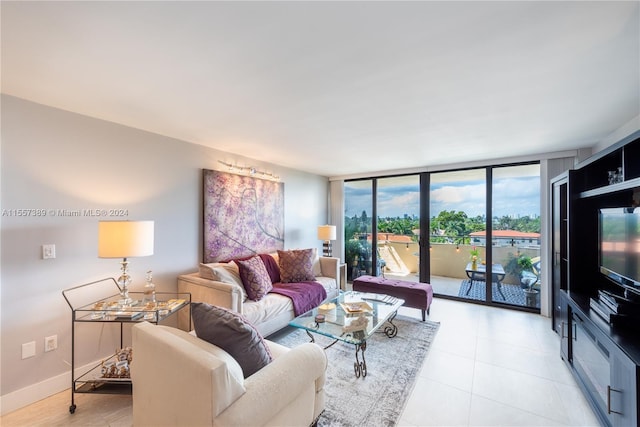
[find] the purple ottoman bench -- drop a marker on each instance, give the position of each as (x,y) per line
(415,295)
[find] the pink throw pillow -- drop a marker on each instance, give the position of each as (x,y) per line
(296,265)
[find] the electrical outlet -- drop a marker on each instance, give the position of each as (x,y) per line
(50,343)
(48,251)
(28,349)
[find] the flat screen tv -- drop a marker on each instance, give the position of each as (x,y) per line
(620,246)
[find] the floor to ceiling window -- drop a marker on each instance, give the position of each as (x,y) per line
(464,255)
(358,226)
(398,218)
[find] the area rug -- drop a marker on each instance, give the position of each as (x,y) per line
(393,365)
(513,294)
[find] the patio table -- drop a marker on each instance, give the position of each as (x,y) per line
(480,273)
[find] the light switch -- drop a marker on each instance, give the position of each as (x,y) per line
(48,251)
(28,349)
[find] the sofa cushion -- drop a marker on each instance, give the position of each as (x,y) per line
(232,333)
(227,272)
(329,285)
(317,270)
(296,265)
(255,278)
(233,367)
(271,313)
(171,362)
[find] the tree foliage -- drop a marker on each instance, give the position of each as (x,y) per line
(446,227)
(402,226)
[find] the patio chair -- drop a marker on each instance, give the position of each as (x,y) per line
(534,274)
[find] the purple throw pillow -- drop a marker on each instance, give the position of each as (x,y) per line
(232,333)
(255,277)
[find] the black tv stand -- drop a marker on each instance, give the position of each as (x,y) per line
(632,295)
(598,321)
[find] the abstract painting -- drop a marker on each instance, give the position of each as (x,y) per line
(243,216)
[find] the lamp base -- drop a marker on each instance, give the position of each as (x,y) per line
(326,248)
(123,281)
(125,302)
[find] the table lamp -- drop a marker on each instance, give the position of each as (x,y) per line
(327,233)
(124,239)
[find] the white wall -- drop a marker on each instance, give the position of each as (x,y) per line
(52,160)
(623,131)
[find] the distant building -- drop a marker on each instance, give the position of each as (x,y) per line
(506,238)
(388,237)
(500,238)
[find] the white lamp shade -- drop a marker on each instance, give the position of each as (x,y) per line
(123,239)
(327,232)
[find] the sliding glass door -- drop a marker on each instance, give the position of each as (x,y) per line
(457,208)
(516,235)
(475,232)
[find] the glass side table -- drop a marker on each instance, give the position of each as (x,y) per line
(97,302)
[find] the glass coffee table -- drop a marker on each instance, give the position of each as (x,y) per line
(352,317)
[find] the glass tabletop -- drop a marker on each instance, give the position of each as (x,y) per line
(109,309)
(340,318)
(481,268)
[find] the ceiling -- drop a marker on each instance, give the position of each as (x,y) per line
(337,88)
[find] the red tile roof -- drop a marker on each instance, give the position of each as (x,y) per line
(507,234)
(390,237)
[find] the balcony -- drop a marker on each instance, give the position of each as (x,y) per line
(400,259)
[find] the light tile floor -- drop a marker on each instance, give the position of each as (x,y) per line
(486,367)
(489,367)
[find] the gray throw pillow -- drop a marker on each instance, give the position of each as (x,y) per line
(232,333)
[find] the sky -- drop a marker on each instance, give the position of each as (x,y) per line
(514,194)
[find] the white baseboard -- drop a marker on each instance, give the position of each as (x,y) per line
(31,394)
(35,392)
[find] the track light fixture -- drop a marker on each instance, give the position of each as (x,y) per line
(249,170)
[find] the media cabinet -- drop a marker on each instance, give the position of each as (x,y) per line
(603,357)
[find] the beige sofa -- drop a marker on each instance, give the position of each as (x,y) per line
(181,380)
(268,315)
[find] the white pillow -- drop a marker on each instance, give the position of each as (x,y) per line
(315,259)
(226,272)
(206,270)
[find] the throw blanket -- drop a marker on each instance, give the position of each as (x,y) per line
(304,295)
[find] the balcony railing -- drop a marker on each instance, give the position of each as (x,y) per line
(447,259)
